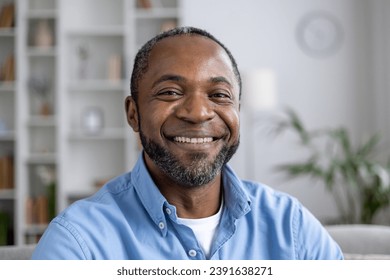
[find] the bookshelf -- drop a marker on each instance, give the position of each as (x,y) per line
(94,137)
(62,120)
(8,146)
(37,116)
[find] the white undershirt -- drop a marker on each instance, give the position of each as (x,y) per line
(204,229)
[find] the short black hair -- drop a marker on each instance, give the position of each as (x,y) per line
(141,61)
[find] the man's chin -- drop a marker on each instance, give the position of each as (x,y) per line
(195,157)
(192,169)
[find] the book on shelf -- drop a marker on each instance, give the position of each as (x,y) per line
(114,68)
(37,210)
(7,16)
(144,4)
(29,206)
(42,210)
(43,34)
(6,172)
(7,69)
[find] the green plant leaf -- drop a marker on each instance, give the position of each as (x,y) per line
(341,136)
(333,160)
(298,126)
(367,148)
(305,168)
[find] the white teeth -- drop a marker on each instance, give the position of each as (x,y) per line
(193,140)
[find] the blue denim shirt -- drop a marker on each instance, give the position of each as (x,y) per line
(130,219)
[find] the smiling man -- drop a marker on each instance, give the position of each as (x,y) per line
(182,200)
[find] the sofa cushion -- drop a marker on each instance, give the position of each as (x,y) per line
(356,239)
(16,252)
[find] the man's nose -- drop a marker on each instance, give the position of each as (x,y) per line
(196,108)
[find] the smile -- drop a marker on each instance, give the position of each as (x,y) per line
(188,140)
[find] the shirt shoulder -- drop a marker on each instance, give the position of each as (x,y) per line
(79,231)
(111,191)
(109,198)
(266,196)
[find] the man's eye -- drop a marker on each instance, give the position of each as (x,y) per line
(220,95)
(168,92)
(169,95)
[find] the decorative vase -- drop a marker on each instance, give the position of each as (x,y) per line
(43,35)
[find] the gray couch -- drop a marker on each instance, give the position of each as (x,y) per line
(16,252)
(362,241)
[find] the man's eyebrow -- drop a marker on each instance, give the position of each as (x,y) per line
(220,79)
(178,78)
(169,77)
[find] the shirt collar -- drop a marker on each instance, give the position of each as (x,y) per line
(149,194)
(235,196)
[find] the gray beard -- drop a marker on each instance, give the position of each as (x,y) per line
(198,173)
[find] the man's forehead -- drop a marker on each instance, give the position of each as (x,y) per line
(195,42)
(190,49)
(184,52)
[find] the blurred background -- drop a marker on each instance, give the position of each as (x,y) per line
(314,117)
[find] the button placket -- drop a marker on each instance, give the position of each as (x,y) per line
(161,225)
(192,249)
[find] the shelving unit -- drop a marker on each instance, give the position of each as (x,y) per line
(8,127)
(63,120)
(37,116)
(94,137)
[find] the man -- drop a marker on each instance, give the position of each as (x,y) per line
(182,200)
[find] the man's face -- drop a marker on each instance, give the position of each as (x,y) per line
(188,110)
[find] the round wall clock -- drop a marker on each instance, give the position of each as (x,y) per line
(319,34)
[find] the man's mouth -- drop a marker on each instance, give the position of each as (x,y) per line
(188,140)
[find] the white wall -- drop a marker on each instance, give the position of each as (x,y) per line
(329,91)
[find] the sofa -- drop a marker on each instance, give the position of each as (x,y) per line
(362,242)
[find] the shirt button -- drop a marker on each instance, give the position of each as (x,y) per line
(161,225)
(192,253)
(168,211)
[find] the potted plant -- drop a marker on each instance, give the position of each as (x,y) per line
(359,182)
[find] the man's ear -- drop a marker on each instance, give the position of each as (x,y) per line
(132,113)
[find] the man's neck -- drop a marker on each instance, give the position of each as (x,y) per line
(195,202)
